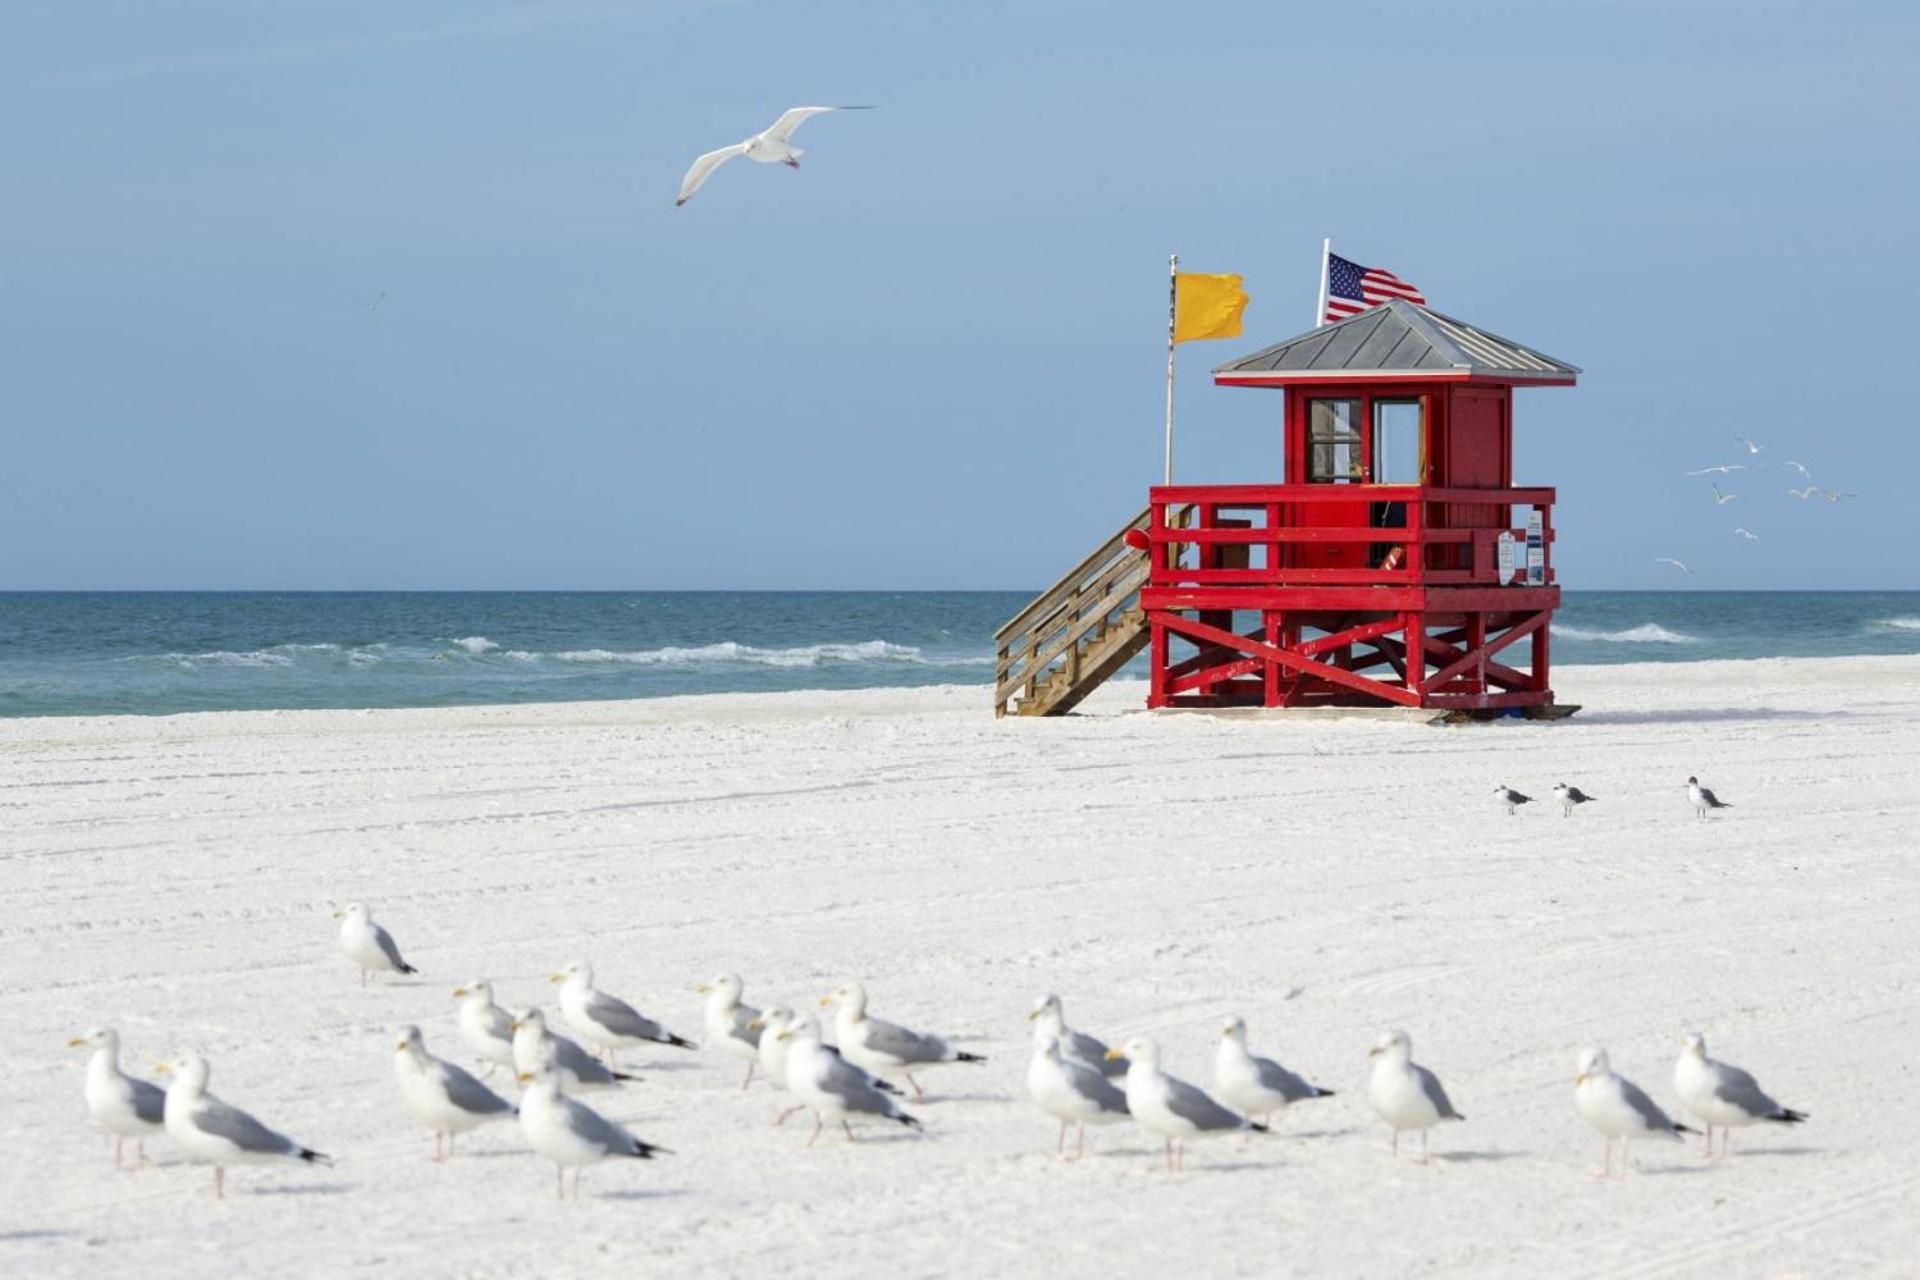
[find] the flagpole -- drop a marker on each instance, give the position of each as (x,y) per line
(1173,301)
(1320,306)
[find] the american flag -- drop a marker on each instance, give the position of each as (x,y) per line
(1352,288)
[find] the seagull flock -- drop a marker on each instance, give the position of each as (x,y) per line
(1808,490)
(1570,798)
(1072,1076)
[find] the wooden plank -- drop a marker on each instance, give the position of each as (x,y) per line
(1215,675)
(1112,546)
(1260,649)
(1491,647)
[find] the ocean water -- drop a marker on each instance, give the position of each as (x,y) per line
(86,653)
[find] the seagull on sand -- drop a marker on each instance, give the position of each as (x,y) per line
(1049,1019)
(1071,1092)
(732,1027)
(883,1048)
(1173,1109)
(1722,499)
(772,1052)
(1678,564)
(1723,1095)
(1570,798)
(534,1046)
(1617,1108)
(831,1086)
(1752,448)
(1729,469)
(122,1105)
(368,945)
(772,145)
(610,1023)
(213,1132)
(484,1025)
(444,1097)
(1748,535)
(1702,799)
(1507,796)
(1258,1086)
(570,1133)
(1403,1093)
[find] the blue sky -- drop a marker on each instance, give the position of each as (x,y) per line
(933,356)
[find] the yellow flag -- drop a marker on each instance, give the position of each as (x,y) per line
(1207,306)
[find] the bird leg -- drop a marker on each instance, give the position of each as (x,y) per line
(578,1170)
(1423,1146)
(749,1079)
(1169,1155)
(117,1140)
(363,978)
(849,1129)
(559,1181)
(917,1095)
(1396,1144)
(1606,1157)
(438,1158)
(782,1117)
(1080,1148)
(219,1182)
(819,1123)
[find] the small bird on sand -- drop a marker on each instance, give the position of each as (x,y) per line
(1569,798)
(831,1086)
(442,1096)
(611,1023)
(772,145)
(1172,1109)
(484,1025)
(1403,1093)
(1719,1094)
(1616,1107)
(367,944)
(123,1105)
(570,1133)
(1702,799)
(1049,1018)
(732,1027)
(1507,796)
(882,1047)
(213,1132)
(534,1047)
(1258,1086)
(1071,1092)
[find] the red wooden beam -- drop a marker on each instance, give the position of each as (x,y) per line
(1490,648)
(1260,649)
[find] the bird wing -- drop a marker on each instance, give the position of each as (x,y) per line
(1430,1085)
(621,1018)
(1096,1088)
(468,1094)
(1735,1087)
(742,1015)
(1282,1081)
(498,1025)
(569,1056)
(595,1129)
(384,941)
(1089,1049)
(1646,1108)
(906,1046)
(242,1130)
(705,165)
(793,117)
(853,1087)
(149,1101)
(1199,1110)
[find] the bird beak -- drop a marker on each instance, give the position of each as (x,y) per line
(1580,1079)
(1374,1052)
(523,1077)
(703,989)
(757,1024)
(782,1036)
(74,1042)
(557,977)
(399,1044)
(459,993)
(825,1001)
(339,915)
(1032,1015)
(161,1068)
(513,1025)
(1114,1055)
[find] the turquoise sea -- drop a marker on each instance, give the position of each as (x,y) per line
(92,653)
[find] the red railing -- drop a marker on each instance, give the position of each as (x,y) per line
(1446,537)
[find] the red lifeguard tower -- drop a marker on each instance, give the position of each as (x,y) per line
(1378,574)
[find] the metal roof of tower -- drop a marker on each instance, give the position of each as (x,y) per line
(1396,340)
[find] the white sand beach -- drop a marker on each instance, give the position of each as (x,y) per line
(1326,878)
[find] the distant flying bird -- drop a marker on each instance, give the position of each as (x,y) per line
(1804,473)
(1680,565)
(1834,495)
(1729,469)
(1750,537)
(373,305)
(1722,499)
(1751,446)
(1804,494)
(772,145)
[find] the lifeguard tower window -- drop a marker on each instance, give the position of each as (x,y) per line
(1396,442)
(1335,451)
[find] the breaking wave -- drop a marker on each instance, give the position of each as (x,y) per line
(729,651)
(1645,633)
(476,644)
(1898,624)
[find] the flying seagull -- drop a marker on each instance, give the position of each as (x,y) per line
(1834,495)
(1804,494)
(1804,473)
(1751,446)
(1722,499)
(1729,469)
(771,145)
(1747,534)
(1678,564)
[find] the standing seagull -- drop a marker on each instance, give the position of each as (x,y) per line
(1173,1109)
(772,145)
(610,1023)
(1569,798)
(122,1105)
(571,1133)
(1403,1093)
(484,1025)
(1071,1092)
(444,1097)
(1049,1019)
(1703,799)
(535,1047)
(1507,796)
(1258,1086)
(368,945)
(732,1027)
(832,1086)
(1617,1108)
(211,1131)
(1719,1094)
(883,1048)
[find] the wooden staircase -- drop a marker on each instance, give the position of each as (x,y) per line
(1074,634)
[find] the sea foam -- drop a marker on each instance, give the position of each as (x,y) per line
(1645,633)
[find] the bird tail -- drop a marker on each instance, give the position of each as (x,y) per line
(1318,1092)
(884,1087)
(407,968)
(967,1057)
(647,1151)
(905,1119)
(679,1042)
(1786,1115)
(1679,1129)
(626,1076)
(314,1157)
(1259,1126)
